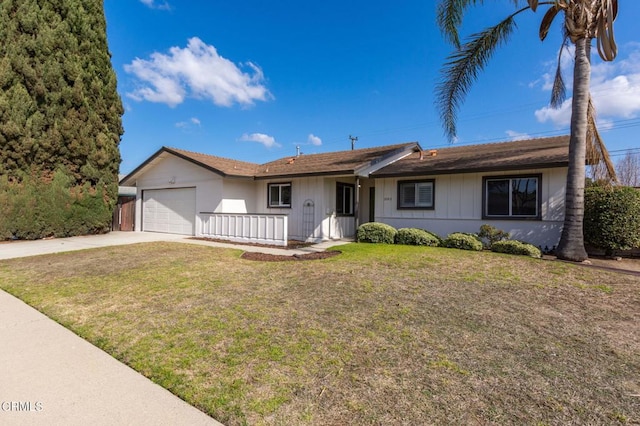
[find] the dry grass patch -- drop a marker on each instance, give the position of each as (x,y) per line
(379,334)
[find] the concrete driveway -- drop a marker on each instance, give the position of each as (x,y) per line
(13,249)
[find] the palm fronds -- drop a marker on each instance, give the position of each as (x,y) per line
(449,18)
(559,90)
(604,18)
(597,154)
(462,68)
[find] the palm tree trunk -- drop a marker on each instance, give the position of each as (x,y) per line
(571,246)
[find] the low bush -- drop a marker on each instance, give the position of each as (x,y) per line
(516,247)
(376,232)
(463,241)
(612,218)
(416,237)
(490,234)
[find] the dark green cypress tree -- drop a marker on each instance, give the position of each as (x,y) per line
(60,112)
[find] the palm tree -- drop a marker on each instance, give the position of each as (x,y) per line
(584,20)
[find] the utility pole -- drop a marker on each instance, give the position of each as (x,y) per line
(353,141)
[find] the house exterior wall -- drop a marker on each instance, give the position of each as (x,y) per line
(458,206)
(237,196)
(172,172)
(312,215)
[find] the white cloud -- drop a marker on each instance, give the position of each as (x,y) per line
(193,121)
(197,71)
(615,88)
(517,136)
(162,5)
(314,140)
(266,140)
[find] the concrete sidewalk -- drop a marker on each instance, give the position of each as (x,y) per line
(50,376)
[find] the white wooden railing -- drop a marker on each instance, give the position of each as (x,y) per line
(252,228)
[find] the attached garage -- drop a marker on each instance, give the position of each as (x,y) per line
(172,211)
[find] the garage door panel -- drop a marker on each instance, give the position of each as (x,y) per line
(169,210)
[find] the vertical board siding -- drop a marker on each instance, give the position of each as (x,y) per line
(458,206)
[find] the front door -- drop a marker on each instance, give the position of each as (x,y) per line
(372,204)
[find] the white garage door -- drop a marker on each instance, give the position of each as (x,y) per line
(169,210)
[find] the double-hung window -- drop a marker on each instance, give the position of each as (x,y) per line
(416,194)
(344,199)
(516,197)
(279,195)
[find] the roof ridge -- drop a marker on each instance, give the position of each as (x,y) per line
(501,142)
(372,148)
(211,155)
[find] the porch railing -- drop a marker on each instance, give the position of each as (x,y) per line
(253,228)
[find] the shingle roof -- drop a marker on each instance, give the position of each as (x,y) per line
(223,166)
(330,163)
(530,154)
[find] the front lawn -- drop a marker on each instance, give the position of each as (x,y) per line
(377,335)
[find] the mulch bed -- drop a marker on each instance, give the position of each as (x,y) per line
(263,257)
(291,244)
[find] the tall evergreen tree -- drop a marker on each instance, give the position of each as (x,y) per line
(60,111)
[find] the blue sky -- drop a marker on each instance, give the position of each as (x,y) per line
(253,79)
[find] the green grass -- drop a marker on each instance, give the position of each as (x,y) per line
(378,335)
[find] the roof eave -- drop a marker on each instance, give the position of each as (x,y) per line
(303,175)
(427,172)
(130,179)
(125,180)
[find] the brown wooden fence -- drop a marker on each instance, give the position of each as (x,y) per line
(124,214)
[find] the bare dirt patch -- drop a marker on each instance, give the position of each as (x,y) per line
(624,264)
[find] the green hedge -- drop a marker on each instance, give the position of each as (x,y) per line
(417,237)
(463,241)
(516,247)
(376,232)
(38,207)
(612,218)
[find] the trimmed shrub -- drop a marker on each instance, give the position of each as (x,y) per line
(51,206)
(376,232)
(463,241)
(416,237)
(612,218)
(516,247)
(490,234)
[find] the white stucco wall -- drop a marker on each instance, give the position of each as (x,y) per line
(458,206)
(172,172)
(237,196)
(213,193)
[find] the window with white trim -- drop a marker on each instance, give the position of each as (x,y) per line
(516,197)
(279,195)
(416,194)
(344,199)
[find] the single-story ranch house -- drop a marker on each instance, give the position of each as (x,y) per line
(516,186)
